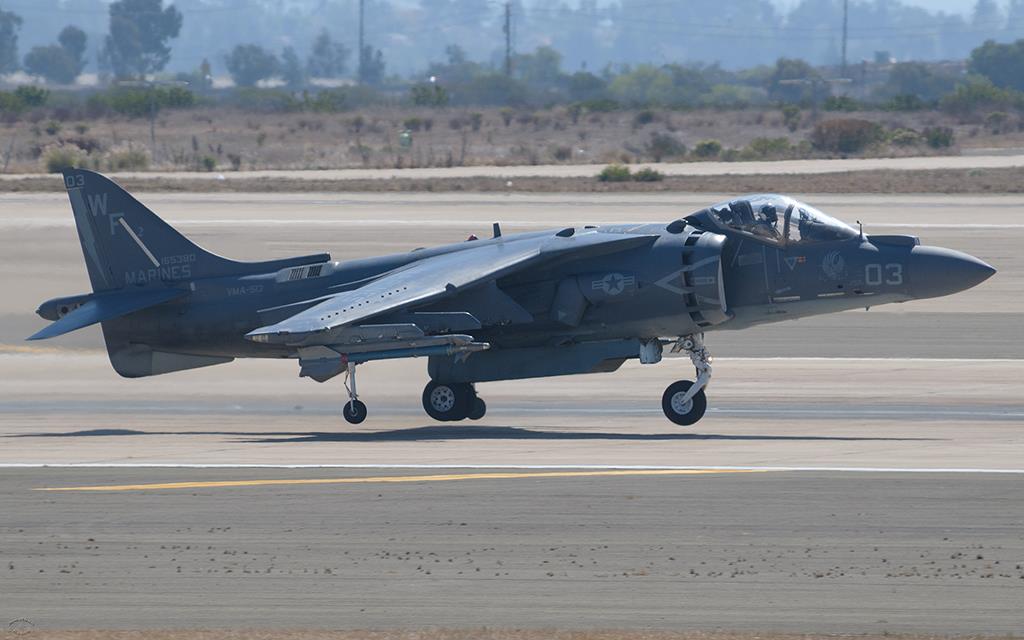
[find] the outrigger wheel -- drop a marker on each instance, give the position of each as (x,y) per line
(354,411)
(448,402)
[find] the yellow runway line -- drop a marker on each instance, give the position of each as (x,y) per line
(394,479)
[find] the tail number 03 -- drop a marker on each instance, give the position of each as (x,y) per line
(876,274)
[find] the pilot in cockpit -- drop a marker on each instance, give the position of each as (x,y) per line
(768,222)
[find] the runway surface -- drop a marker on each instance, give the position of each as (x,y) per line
(934,385)
(860,553)
(772,167)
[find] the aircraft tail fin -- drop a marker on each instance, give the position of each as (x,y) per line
(127,244)
(123,241)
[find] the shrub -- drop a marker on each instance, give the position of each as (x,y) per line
(128,159)
(329,100)
(615,173)
(600,105)
(841,103)
(768,147)
(562,153)
(905,138)
(708,149)
(428,94)
(905,102)
(10,105)
(137,102)
(845,135)
(59,158)
(648,174)
(642,118)
(976,95)
(85,143)
(998,122)
(413,124)
(208,163)
(938,137)
(791,116)
(663,145)
(31,96)
(53,127)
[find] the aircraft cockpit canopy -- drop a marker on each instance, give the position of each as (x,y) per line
(780,220)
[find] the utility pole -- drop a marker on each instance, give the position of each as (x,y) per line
(846,7)
(508,38)
(362,52)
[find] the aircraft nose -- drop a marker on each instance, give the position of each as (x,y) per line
(936,271)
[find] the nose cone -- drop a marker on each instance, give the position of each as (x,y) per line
(938,272)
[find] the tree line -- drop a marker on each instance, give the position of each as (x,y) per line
(138,45)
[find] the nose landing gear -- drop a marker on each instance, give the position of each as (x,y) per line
(684,402)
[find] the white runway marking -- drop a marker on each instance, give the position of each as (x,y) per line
(567,467)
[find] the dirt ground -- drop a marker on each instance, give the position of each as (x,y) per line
(224,138)
(964,181)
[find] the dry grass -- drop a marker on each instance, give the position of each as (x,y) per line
(964,181)
(224,138)
(448,634)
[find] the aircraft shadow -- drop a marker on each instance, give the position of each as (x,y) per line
(458,432)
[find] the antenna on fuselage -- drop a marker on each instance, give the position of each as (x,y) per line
(497,230)
(861,225)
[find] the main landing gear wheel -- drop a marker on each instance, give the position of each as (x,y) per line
(448,402)
(478,410)
(678,408)
(354,411)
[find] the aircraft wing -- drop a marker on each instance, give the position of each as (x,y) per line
(437,277)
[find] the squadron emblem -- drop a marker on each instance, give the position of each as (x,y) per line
(833,265)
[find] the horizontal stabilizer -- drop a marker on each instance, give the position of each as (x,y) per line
(107,306)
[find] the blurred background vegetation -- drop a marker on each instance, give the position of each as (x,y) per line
(128,60)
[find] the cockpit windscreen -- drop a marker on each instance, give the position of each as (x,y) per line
(779,220)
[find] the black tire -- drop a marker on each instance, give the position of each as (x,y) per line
(447,402)
(354,411)
(683,415)
(478,410)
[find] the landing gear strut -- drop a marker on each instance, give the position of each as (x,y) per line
(449,402)
(355,410)
(684,402)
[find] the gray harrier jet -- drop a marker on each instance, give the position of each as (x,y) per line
(545,303)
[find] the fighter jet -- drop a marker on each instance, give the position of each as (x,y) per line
(526,305)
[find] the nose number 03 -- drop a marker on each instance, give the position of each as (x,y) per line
(876,274)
